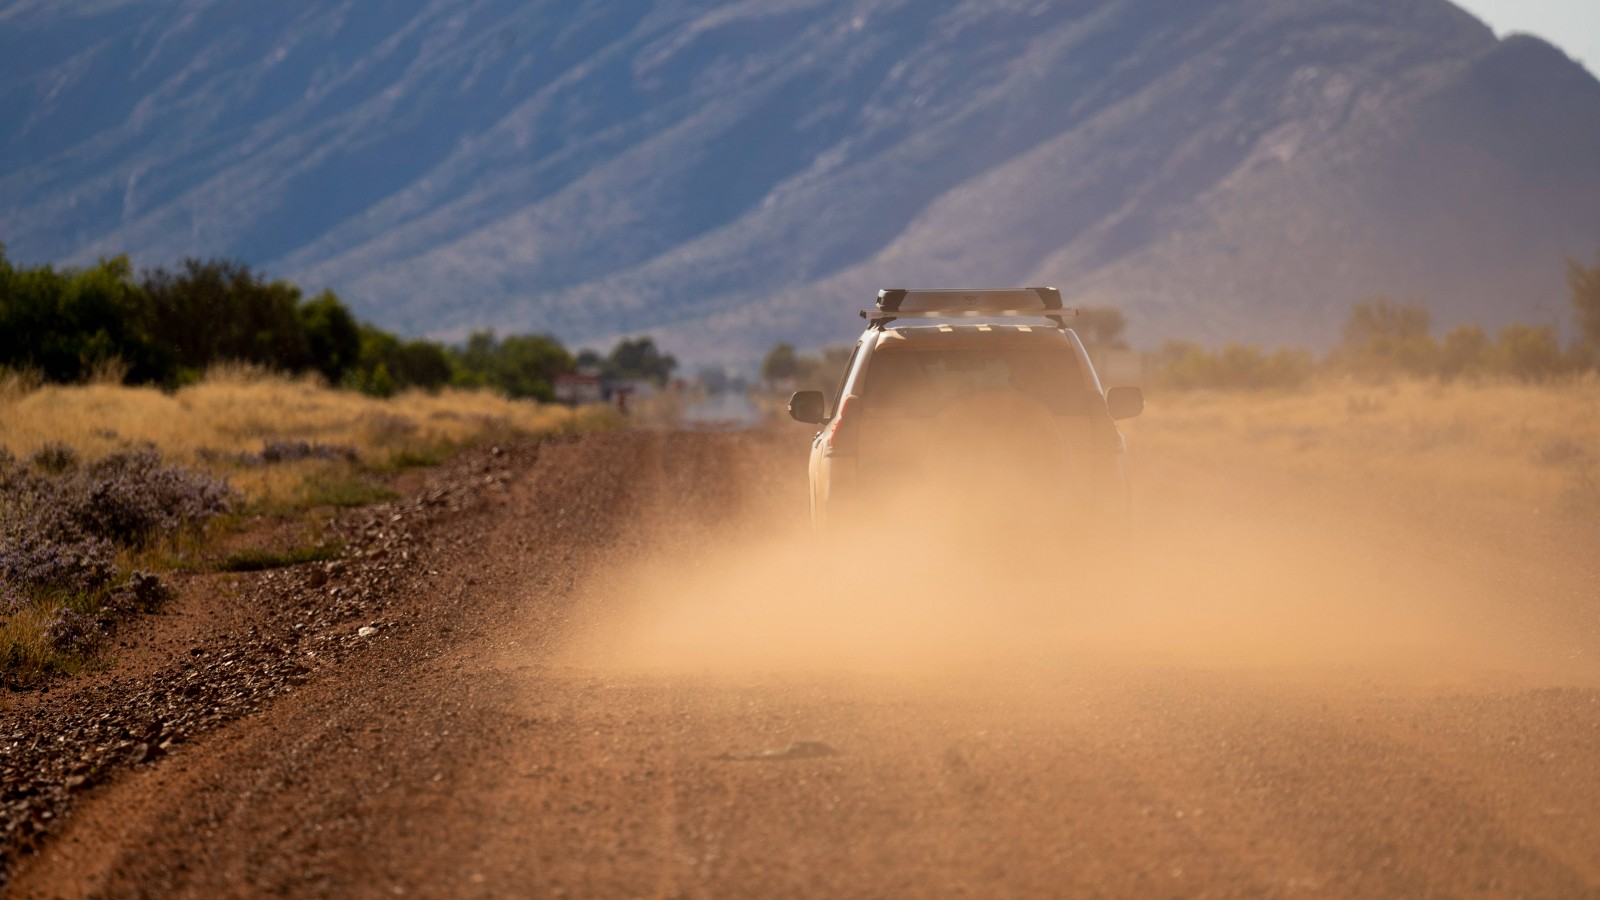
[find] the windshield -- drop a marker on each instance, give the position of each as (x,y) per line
(922,381)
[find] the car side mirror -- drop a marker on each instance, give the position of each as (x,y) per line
(1124,402)
(807,407)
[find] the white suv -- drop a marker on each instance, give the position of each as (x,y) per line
(1007,418)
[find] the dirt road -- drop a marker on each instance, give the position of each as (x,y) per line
(629,677)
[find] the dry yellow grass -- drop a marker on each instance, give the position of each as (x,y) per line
(234,410)
(217,425)
(1503,442)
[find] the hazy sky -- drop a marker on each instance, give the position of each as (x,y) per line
(1572,25)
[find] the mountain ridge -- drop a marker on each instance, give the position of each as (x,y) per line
(729,174)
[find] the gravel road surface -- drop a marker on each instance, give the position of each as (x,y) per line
(615,666)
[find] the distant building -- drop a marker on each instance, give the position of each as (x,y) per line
(633,387)
(579,389)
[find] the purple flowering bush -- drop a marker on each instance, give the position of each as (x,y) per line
(71,631)
(274,452)
(12,600)
(129,498)
(62,524)
(59,563)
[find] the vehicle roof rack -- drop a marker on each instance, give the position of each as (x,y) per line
(1033,302)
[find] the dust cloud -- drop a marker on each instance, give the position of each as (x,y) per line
(1219,566)
(1270,677)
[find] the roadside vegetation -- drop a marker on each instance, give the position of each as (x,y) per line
(276,438)
(167,328)
(1511,417)
(71,536)
(1383,339)
(107,489)
(150,420)
(1524,448)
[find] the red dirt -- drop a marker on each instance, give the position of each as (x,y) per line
(586,696)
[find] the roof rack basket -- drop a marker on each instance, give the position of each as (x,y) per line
(1033,302)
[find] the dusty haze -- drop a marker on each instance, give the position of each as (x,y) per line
(1223,564)
(1346,648)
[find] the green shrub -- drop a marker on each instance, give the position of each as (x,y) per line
(1465,351)
(256,559)
(523,366)
(344,491)
(1186,365)
(1529,352)
(1382,336)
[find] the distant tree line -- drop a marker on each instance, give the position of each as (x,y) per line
(1384,337)
(1381,337)
(167,326)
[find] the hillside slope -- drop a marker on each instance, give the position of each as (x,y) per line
(727,173)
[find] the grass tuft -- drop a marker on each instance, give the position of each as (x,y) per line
(256,559)
(346,491)
(418,456)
